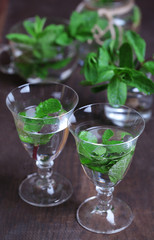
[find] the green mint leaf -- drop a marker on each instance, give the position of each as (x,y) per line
(90,68)
(47,107)
(87,136)
(149,66)
(102,23)
(123,134)
(41,72)
(60,64)
(112,142)
(39,24)
(103,57)
(137,43)
(118,170)
(50,34)
(43,111)
(35,139)
(96,69)
(106,139)
(116,92)
(99,151)
(25,70)
(139,80)
(86,148)
(63,39)
(94,165)
(81,25)
(108,133)
(21,38)
(136,18)
(126,56)
(30,124)
(29,27)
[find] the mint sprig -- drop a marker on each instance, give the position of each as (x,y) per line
(115,69)
(109,159)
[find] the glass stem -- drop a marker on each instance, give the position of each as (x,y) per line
(45,172)
(104,196)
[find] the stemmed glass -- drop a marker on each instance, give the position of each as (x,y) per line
(43,139)
(105,139)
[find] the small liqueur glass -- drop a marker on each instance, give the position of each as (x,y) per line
(43,139)
(98,130)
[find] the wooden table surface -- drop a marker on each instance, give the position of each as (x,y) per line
(20,221)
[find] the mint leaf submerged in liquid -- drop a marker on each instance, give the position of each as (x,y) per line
(118,170)
(44,115)
(113,158)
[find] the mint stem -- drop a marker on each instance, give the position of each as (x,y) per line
(35,148)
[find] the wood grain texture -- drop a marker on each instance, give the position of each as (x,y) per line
(19,220)
(3,15)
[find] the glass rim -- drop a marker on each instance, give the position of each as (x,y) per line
(45,118)
(109,145)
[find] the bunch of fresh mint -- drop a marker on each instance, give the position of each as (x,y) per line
(115,68)
(44,45)
(112,160)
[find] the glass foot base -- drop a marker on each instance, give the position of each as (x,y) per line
(33,191)
(112,221)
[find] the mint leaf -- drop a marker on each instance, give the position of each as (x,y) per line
(29,27)
(86,148)
(35,139)
(81,25)
(149,66)
(123,134)
(47,107)
(136,16)
(99,151)
(63,39)
(30,124)
(103,57)
(60,64)
(39,24)
(87,136)
(21,38)
(118,170)
(96,69)
(43,111)
(126,56)
(116,92)
(137,79)
(90,68)
(137,43)
(108,133)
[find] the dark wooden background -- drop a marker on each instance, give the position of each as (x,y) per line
(20,221)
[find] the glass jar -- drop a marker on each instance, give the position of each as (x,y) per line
(40,63)
(141,102)
(122,13)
